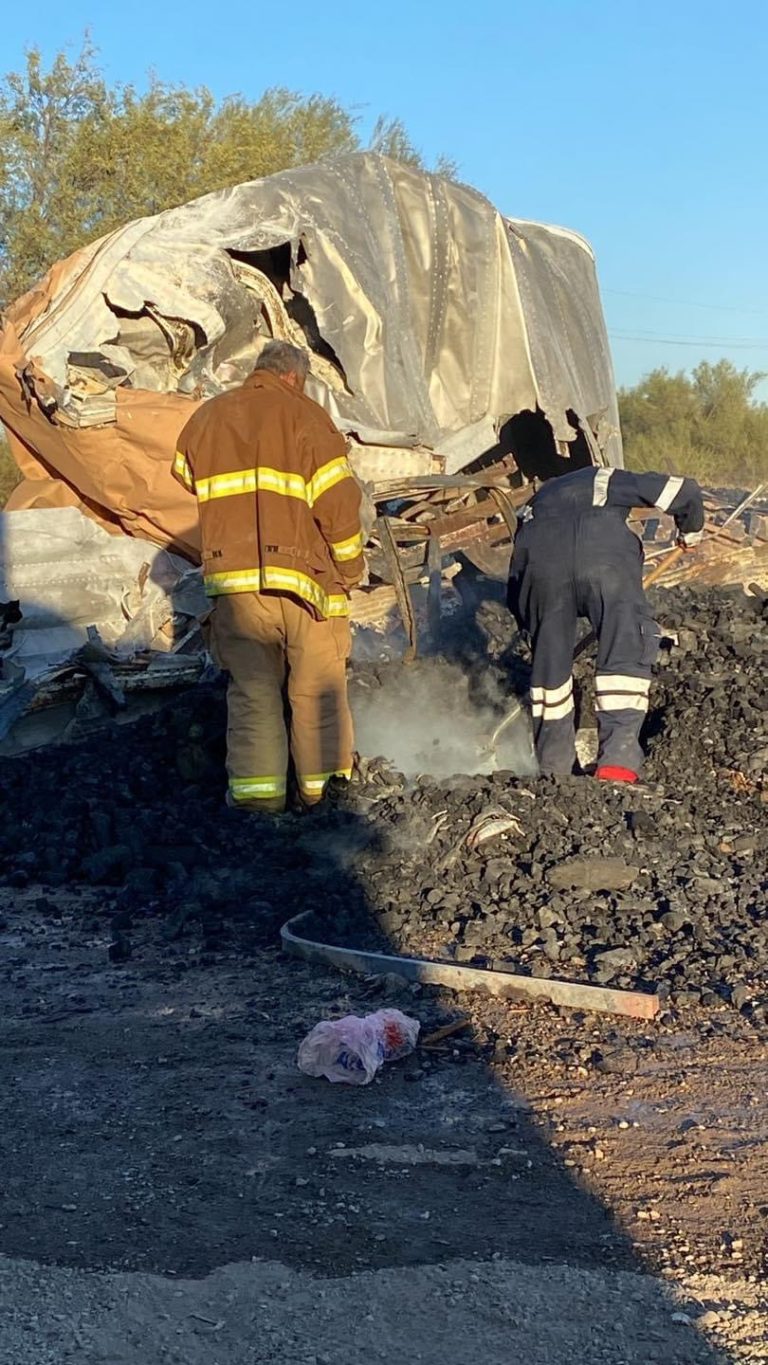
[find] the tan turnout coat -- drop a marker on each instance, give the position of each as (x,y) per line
(279,505)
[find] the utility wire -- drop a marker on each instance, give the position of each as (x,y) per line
(683,303)
(671,341)
(693,337)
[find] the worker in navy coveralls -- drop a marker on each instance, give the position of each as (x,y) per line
(575,556)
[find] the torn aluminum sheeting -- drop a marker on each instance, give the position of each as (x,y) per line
(430,319)
(68,574)
(75,698)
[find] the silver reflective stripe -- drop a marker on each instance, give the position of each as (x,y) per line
(621,701)
(621,682)
(600,489)
(621,692)
(550,696)
(668,494)
(552,703)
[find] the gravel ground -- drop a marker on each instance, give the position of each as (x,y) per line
(174,1190)
(150,1030)
(268,1315)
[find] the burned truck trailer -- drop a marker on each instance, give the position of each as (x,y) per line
(463,353)
(442,337)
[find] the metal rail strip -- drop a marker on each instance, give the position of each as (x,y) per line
(503,985)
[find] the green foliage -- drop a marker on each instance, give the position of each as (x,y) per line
(706,424)
(390,138)
(78,158)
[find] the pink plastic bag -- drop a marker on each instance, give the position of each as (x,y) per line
(351,1050)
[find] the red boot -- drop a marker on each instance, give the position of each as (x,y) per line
(608,773)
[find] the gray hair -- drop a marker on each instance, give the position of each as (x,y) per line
(279,357)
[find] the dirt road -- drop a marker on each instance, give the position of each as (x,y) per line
(173,1190)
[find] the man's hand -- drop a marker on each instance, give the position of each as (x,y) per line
(688,540)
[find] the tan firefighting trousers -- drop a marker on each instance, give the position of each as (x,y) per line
(286,669)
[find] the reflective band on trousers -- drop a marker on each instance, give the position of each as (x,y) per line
(315,784)
(621,682)
(621,701)
(347,549)
(600,488)
(257,788)
(621,692)
(271,579)
(552,703)
(266,480)
(181,467)
(668,494)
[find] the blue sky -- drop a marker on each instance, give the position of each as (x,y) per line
(641,124)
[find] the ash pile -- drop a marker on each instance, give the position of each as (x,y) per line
(659,887)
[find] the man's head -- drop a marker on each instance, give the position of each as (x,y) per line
(289,362)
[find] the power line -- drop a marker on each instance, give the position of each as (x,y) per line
(683,303)
(723,344)
(688,336)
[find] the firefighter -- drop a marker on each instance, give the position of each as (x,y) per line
(576,557)
(281,547)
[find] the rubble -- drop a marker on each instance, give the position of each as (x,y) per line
(145,821)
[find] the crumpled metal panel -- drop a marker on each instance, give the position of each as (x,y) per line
(433,320)
(570,357)
(68,574)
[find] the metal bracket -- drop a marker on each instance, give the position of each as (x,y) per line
(389,550)
(435,590)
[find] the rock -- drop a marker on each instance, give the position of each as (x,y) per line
(546,917)
(619,1062)
(673,920)
(120,949)
(593,874)
(465,954)
(108,865)
(640,822)
(614,959)
(393,986)
(740,995)
(686,997)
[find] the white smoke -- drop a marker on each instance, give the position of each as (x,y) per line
(425,718)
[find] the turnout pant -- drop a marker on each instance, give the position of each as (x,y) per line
(287,695)
(562,571)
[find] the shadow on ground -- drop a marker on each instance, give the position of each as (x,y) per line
(155,1119)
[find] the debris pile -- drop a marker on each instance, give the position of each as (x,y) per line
(657,887)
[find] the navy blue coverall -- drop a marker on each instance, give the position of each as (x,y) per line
(576,557)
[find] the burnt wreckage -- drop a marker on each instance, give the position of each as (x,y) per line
(464,354)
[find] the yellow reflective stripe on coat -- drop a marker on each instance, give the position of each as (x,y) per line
(327,477)
(262,480)
(181,467)
(266,480)
(316,783)
(351,548)
(271,579)
(226,485)
(255,788)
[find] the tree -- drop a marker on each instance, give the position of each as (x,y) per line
(390,138)
(707,423)
(39,117)
(78,159)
